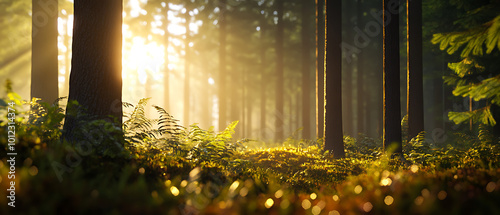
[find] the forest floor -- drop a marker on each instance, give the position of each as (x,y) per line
(196,171)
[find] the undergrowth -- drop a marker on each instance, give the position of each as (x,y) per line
(163,167)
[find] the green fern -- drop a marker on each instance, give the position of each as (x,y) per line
(485,135)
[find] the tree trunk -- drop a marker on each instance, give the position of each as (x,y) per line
(95,79)
(320,69)
(392,103)
(363,102)
(166,74)
(348,107)
(67,62)
(333,80)
(415,98)
(44,62)
(187,71)
(222,66)
(280,30)
(263,84)
(306,68)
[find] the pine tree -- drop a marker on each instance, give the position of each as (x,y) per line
(477,75)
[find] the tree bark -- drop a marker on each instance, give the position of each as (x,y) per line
(95,79)
(392,103)
(333,80)
(280,30)
(222,66)
(320,68)
(306,65)
(348,107)
(415,98)
(44,62)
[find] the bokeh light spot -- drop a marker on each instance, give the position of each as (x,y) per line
(414,168)
(358,189)
(269,203)
(174,191)
(490,187)
(278,194)
(419,200)
(388,200)
(313,196)
(367,207)
(335,197)
(442,195)
(306,204)
(316,210)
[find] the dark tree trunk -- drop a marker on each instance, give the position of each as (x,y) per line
(333,80)
(95,80)
(280,30)
(306,68)
(415,98)
(44,68)
(222,67)
(320,68)
(348,107)
(392,103)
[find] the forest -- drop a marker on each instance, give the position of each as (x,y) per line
(250,107)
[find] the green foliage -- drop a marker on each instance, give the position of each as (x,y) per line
(476,76)
(472,40)
(171,169)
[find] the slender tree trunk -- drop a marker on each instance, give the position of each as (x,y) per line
(415,98)
(44,62)
(348,107)
(234,93)
(392,103)
(206,96)
(96,80)
(263,84)
(361,102)
(280,30)
(364,116)
(187,71)
(333,80)
(249,105)
(166,75)
(148,93)
(243,104)
(306,69)
(222,66)
(320,68)
(67,61)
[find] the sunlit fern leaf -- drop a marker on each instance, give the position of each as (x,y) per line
(485,135)
(167,124)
